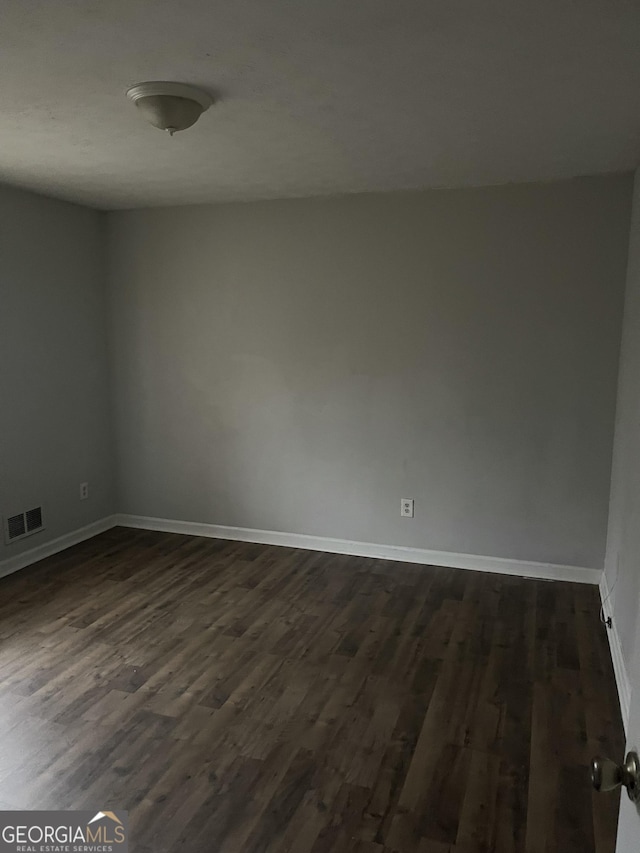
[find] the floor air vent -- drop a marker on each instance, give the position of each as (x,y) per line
(23,524)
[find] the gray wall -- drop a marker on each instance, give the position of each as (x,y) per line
(622,566)
(302,365)
(54,395)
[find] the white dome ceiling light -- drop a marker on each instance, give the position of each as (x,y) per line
(170,106)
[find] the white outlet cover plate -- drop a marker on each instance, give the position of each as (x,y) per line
(406,507)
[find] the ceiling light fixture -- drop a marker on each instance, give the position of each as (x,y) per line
(170,106)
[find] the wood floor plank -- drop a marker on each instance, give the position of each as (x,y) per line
(251,699)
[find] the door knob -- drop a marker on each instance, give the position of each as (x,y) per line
(606,775)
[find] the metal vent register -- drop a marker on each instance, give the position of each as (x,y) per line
(23,524)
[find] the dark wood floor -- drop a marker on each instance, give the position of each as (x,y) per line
(244,698)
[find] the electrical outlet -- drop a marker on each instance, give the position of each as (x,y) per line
(84,491)
(406,507)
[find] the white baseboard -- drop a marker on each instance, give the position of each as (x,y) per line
(48,549)
(499,565)
(619,668)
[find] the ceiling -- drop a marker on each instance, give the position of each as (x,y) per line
(316,96)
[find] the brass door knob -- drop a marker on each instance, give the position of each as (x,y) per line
(606,775)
